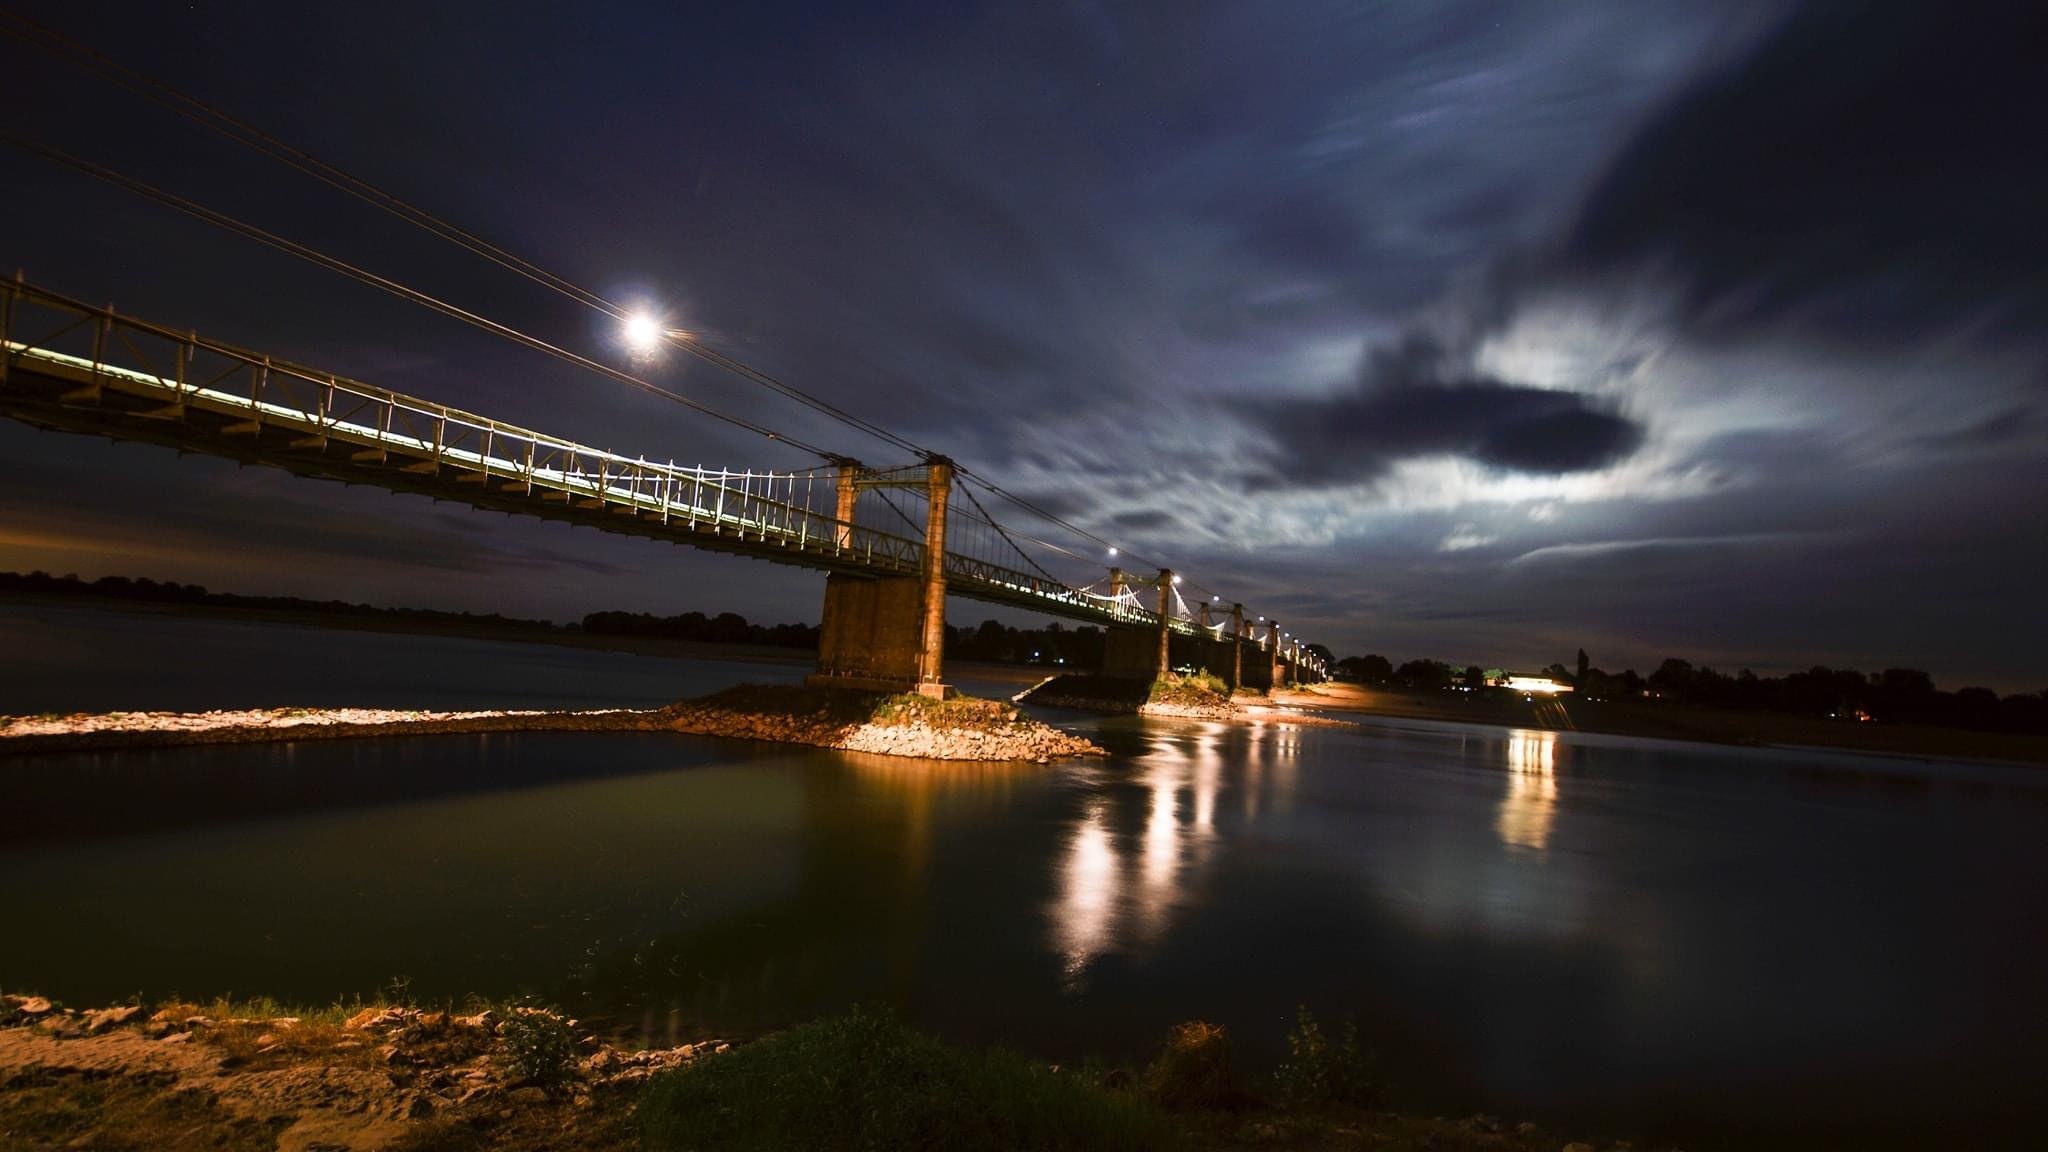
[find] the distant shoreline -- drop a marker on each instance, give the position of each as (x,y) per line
(1676,722)
(658,646)
(502,633)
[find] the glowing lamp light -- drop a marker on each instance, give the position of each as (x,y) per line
(1176,579)
(1112,551)
(644,332)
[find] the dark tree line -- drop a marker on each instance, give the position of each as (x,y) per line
(990,641)
(724,628)
(1895,695)
(995,643)
(143,590)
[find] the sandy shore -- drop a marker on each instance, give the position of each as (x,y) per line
(363,1082)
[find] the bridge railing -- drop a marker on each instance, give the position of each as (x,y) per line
(100,349)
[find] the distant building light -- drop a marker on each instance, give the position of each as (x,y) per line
(1534,685)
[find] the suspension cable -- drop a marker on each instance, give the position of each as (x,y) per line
(991,521)
(335,264)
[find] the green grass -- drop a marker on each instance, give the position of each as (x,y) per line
(957,712)
(1195,689)
(265,1008)
(865,1082)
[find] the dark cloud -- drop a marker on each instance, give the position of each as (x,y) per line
(1145,519)
(2005,428)
(1874,172)
(1413,400)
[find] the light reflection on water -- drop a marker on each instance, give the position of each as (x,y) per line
(1121,892)
(1083,919)
(1529,807)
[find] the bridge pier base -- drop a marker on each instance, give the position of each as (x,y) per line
(870,634)
(888,633)
(1128,653)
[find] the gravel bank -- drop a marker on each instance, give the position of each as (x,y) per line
(959,729)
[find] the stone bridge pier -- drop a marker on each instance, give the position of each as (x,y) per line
(888,633)
(1131,652)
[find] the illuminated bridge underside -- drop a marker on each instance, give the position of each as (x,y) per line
(138,381)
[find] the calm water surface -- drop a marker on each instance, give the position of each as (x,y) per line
(1624,938)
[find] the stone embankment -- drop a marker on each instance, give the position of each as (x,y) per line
(1170,698)
(1175,698)
(322,1084)
(959,729)
(1079,692)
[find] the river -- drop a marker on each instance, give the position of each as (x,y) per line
(1621,938)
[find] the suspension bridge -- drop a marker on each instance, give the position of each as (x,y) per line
(894,542)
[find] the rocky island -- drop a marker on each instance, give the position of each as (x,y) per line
(1174,696)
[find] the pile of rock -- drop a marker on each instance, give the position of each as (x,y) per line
(1081,692)
(17,1011)
(1219,709)
(1026,740)
(460,1054)
(613,1068)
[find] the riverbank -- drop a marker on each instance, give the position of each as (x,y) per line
(963,728)
(400,1078)
(1664,721)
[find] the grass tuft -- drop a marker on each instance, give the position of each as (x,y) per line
(1195,689)
(539,1047)
(1194,1070)
(1320,1072)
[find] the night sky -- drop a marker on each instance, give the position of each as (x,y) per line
(1478,331)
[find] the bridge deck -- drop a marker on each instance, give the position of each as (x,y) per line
(176,390)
